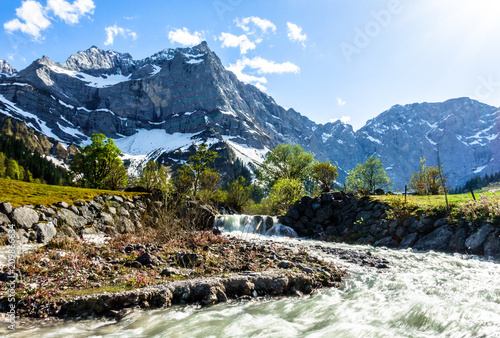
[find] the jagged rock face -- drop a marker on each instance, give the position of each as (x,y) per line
(187,91)
(6,69)
(465,132)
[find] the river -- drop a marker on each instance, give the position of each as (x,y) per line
(421,295)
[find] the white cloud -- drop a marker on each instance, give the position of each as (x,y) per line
(71,12)
(33,18)
(113,31)
(238,68)
(340,102)
(260,86)
(264,66)
(183,37)
(295,33)
(263,24)
(35,21)
(343,119)
(230,40)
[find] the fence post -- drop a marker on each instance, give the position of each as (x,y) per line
(472,192)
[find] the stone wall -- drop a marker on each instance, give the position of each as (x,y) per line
(340,217)
(106,214)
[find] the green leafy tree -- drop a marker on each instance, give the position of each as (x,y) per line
(284,193)
(154,177)
(117,177)
(210,181)
(325,174)
(12,169)
(2,165)
(428,180)
(190,174)
(285,161)
(238,193)
(367,177)
(98,164)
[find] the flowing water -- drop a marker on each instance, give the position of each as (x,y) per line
(421,295)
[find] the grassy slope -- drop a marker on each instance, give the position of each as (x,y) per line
(439,200)
(22,193)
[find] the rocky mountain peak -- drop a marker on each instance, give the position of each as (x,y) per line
(165,101)
(6,68)
(96,59)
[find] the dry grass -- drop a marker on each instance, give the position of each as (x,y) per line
(22,193)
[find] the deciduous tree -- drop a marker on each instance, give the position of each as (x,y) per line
(285,161)
(284,193)
(189,175)
(153,177)
(324,173)
(367,177)
(98,164)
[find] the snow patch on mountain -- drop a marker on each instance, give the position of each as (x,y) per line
(246,153)
(146,141)
(43,128)
(92,81)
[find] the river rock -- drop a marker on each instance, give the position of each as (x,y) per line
(189,260)
(379,229)
(87,231)
(424,226)
(25,217)
(436,240)
(68,217)
(148,259)
(457,241)
(475,242)
(324,213)
(293,214)
(492,246)
(409,240)
(4,219)
(45,232)
(74,209)
(124,225)
(63,205)
(106,219)
(388,242)
(5,207)
(116,198)
(286,265)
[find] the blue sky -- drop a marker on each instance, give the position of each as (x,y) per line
(327,59)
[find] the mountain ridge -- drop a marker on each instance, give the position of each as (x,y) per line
(187,91)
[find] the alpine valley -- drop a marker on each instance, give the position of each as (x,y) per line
(159,106)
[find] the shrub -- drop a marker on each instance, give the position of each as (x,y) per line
(486,208)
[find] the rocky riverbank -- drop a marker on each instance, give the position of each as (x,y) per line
(72,277)
(342,217)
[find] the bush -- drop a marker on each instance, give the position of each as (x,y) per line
(284,194)
(486,208)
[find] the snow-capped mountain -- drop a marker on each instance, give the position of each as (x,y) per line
(6,70)
(162,104)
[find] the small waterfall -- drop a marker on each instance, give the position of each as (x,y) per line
(253,224)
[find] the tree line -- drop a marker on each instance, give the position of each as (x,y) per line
(286,174)
(477,182)
(18,162)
